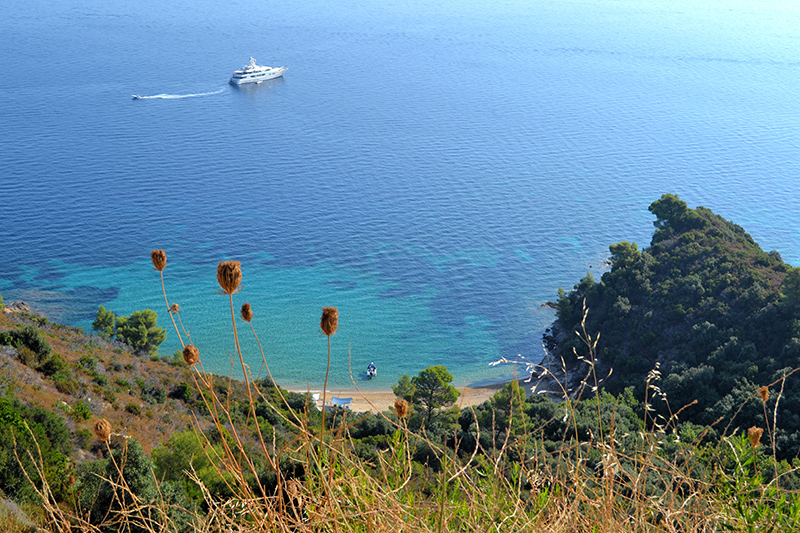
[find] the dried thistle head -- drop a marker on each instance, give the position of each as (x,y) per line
(102,429)
(174,308)
(247,312)
(229,276)
(764,392)
(191,354)
(754,435)
(330,320)
(159,258)
(401,407)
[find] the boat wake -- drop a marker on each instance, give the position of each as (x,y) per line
(175,96)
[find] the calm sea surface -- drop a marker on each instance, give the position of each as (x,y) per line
(436,170)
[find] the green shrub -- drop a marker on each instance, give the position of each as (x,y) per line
(154,394)
(134,409)
(88,362)
(100,379)
(81,411)
(64,380)
(84,438)
(110,396)
(31,428)
(33,339)
(103,502)
(30,338)
(27,356)
(182,392)
(53,365)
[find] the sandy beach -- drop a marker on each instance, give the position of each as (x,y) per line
(376,401)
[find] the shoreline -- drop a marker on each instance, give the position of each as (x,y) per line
(376,401)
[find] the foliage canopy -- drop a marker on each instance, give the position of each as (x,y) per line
(705,302)
(139,331)
(431,389)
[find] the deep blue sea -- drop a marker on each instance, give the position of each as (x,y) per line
(435,169)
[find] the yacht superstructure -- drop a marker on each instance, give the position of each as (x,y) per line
(253,73)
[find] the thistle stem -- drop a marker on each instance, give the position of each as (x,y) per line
(239,351)
(325,391)
(249,393)
(168,311)
(188,337)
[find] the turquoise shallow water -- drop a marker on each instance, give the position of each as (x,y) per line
(435,170)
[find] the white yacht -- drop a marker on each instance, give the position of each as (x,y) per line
(253,73)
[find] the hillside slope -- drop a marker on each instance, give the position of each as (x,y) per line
(706,305)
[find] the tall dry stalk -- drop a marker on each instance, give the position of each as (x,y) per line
(229,276)
(329,324)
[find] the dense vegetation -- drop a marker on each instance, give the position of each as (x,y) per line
(708,310)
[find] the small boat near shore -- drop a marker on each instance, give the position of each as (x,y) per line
(253,73)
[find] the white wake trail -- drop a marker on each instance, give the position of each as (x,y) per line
(175,96)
